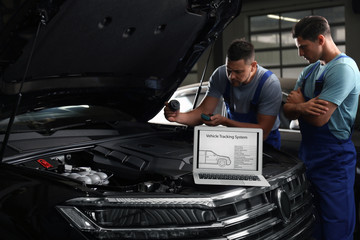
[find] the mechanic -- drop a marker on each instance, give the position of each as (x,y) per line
(325,100)
(252,96)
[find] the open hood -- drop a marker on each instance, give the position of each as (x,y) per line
(130,54)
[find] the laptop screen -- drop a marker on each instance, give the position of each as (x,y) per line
(230,148)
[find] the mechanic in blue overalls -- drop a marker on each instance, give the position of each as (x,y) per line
(325,101)
(252,96)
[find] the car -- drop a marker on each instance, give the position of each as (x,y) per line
(79,159)
(210,157)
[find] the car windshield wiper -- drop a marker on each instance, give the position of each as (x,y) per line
(74,125)
(42,128)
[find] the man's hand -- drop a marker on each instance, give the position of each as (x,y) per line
(314,107)
(169,114)
(295,97)
(215,120)
(193,117)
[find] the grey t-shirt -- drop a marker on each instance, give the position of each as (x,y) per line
(269,100)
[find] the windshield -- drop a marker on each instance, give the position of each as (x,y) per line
(64,117)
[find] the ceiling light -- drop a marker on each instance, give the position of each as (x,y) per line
(283,18)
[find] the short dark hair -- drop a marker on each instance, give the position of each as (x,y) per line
(241,49)
(310,27)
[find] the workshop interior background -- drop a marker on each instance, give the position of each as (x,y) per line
(267,24)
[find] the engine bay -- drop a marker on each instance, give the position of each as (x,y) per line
(140,164)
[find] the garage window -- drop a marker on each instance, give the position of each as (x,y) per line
(274,45)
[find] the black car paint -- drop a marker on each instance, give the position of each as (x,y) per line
(86,52)
(75,59)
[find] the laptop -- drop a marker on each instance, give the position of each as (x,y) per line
(228,156)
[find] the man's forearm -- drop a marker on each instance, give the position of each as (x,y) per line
(191,118)
(313,112)
(291,110)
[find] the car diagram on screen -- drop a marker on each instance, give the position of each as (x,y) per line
(209,157)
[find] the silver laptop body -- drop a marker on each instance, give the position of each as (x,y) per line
(228,156)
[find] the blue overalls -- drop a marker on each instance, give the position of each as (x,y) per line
(330,165)
(251,117)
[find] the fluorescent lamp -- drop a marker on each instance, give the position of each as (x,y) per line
(273,16)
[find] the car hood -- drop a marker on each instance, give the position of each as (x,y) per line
(127,54)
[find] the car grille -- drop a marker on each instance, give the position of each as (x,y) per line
(282,211)
(259,217)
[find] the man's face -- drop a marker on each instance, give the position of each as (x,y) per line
(311,51)
(238,72)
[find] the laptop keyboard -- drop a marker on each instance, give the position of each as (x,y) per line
(229,177)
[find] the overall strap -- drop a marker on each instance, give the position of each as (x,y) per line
(228,96)
(256,96)
(307,76)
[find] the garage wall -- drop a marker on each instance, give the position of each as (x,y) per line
(352,21)
(239,28)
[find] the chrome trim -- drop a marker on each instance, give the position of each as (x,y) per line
(270,223)
(294,225)
(262,210)
(175,201)
(284,205)
(259,227)
(132,201)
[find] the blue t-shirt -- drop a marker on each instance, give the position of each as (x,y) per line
(341,87)
(269,100)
